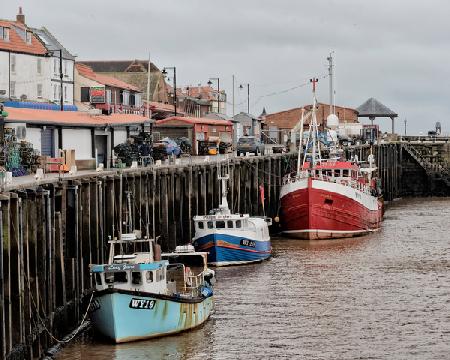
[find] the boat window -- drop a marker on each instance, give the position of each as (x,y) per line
(346,172)
(98,278)
(230,224)
(210,225)
(120,277)
(220,224)
(149,276)
(109,278)
(136,277)
(336,173)
(201,225)
(238,223)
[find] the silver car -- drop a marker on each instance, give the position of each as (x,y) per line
(249,144)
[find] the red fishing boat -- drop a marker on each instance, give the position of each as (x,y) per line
(329,198)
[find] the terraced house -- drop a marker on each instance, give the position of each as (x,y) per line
(34,66)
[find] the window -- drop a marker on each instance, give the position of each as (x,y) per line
(28,37)
(238,223)
(149,276)
(98,278)
(13,63)
(201,225)
(4,33)
(120,277)
(109,278)
(230,224)
(220,224)
(39,66)
(39,90)
(65,69)
(136,277)
(85,94)
(210,225)
(12,89)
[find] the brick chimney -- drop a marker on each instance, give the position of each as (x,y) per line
(20,18)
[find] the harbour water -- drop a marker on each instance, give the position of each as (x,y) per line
(383,296)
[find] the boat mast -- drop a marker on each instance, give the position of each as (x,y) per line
(300,144)
(316,156)
(224,209)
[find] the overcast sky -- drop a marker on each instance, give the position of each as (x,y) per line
(397,51)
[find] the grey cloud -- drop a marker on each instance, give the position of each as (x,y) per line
(396,51)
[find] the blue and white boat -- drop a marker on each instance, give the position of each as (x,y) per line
(232,239)
(140,295)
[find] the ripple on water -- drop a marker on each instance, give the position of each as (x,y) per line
(383,296)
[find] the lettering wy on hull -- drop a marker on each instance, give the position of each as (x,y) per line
(142,304)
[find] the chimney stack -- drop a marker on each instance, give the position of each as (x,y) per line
(20,18)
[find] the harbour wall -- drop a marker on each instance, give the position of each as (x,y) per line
(52,230)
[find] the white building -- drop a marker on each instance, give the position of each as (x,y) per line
(93,137)
(29,64)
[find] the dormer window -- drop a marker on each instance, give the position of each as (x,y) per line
(4,33)
(28,37)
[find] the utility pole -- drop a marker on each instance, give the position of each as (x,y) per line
(61,76)
(233,96)
(405,125)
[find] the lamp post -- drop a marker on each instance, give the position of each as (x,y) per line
(61,98)
(248,95)
(164,72)
(218,91)
(405,126)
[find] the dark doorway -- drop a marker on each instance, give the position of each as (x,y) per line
(47,142)
(101,149)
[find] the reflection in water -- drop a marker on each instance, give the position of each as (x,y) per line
(382,296)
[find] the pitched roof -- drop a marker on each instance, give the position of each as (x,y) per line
(289,118)
(17,39)
(51,43)
(71,118)
(373,108)
(87,72)
(110,66)
(284,119)
(193,120)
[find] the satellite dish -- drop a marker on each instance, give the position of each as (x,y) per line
(332,122)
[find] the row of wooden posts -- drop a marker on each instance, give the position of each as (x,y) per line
(51,232)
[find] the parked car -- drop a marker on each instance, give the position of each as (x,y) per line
(249,144)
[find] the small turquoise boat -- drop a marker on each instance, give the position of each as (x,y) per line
(138,297)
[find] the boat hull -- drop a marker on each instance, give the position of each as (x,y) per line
(224,250)
(125,316)
(314,210)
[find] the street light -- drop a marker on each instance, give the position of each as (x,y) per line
(218,91)
(248,96)
(60,77)
(164,72)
